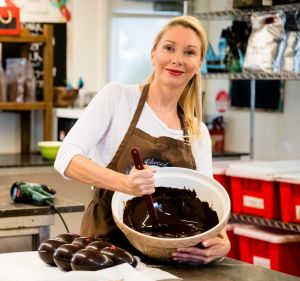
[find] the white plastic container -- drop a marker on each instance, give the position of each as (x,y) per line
(219,173)
(264,170)
(253,187)
(289,186)
(271,248)
(234,252)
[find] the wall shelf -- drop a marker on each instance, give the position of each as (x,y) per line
(25,108)
(244,14)
(18,106)
(23,39)
(137,13)
(250,76)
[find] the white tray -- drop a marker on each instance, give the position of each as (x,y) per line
(263,170)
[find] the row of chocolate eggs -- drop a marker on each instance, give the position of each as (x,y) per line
(73,252)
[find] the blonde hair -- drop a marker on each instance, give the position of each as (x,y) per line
(190,100)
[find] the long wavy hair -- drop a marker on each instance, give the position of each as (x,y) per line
(191,97)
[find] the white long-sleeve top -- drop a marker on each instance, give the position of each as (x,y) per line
(100,129)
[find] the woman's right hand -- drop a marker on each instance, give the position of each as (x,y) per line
(140,182)
(137,183)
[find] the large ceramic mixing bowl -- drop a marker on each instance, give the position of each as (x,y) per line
(207,189)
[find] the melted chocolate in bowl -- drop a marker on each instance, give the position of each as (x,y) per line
(179,211)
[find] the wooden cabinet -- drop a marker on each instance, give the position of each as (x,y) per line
(25,108)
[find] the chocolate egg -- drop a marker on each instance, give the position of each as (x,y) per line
(89,259)
(98,245)
(83,241)
(62,255)
(47,248)
(66,237)
(119,255)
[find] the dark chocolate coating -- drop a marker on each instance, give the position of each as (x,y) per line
(83,241)
(98,245)
(66,237)
(89,259)
(180,214)
(119,255)
(47,248)
(62,255)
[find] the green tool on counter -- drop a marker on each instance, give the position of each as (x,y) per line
(32,193)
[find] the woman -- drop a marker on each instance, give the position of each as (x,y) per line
(162,118)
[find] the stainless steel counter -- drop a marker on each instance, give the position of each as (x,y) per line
(28,221)
(229,270)
(31,268)
(23,160)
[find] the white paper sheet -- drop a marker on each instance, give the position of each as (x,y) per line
(156,273)
(27,266)
(123,272)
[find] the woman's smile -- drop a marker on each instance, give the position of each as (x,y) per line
(174,72)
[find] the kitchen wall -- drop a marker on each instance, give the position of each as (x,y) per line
(9,132)
(276,134)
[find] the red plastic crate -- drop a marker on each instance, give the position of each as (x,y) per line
(224,181)
(234,252)
(255,197)
(290,197)
(219,172)
(254,190)
(272,249)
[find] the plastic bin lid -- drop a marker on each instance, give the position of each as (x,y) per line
(219,167)
(271,235)
(289,178)
(231,226)
(264,170)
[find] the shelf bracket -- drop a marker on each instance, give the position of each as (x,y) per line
(252,115)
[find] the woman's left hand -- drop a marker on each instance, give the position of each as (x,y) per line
(212,250)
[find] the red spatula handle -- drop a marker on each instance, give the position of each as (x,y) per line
(137,159)
(138,163)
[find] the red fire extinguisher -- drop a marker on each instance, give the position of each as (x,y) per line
(217,134)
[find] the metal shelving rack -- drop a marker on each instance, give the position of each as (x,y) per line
(250,76)
(241,218)
(245,14)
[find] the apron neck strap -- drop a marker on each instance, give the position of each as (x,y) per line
(139,108)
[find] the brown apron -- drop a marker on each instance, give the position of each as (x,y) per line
(97,220)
